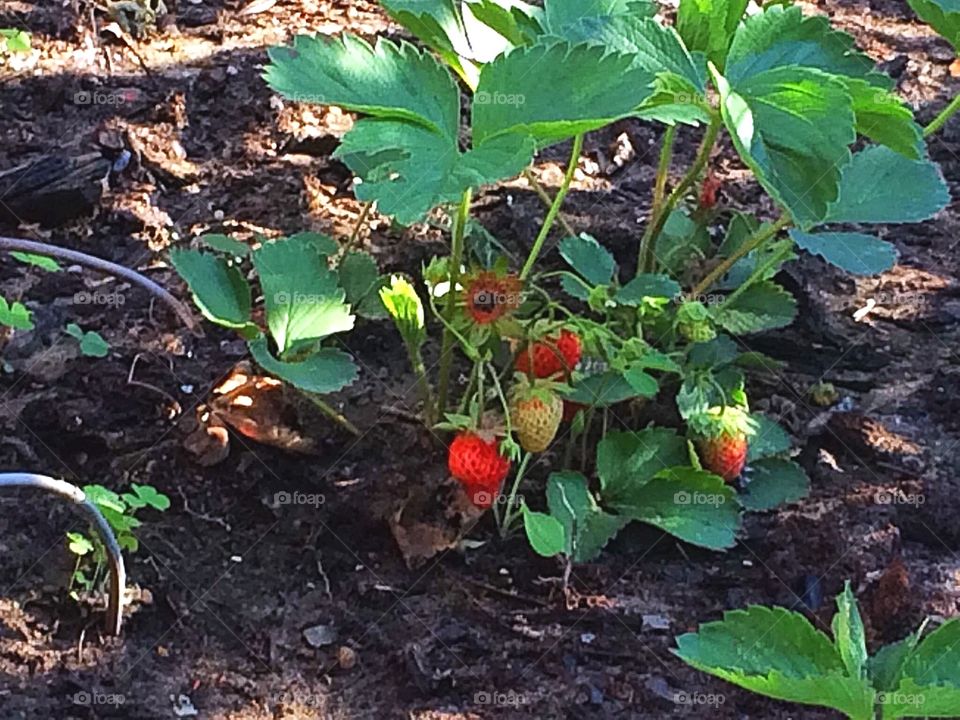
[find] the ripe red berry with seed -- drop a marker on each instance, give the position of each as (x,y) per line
(479,466)
(721,436)
(551,356)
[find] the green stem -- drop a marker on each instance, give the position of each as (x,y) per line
(759,238)
(655,226)
(547,200)
(509,515)
(333,414)
(503,399)
(471,384)
(940,120)
(554,208)
(456,257)
(426,393)
(659,191)
(478,418)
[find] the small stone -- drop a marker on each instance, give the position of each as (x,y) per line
(320,635)
(347,657)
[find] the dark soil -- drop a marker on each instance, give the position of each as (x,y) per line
(227,581)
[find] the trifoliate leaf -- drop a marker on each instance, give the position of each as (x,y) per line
(872,189)
(773,482)
(793,127)
(518,92)
(848,634)
(219,289)
(647,285)
(79,544)
(628,460)
(777,653)
(92,343)
(769,439)
(386,80)
(302,297)
(15,315)
(325,371)
(853,252)
(693,505)
(762,306)
(586,528)
(589,258)
(942,15)
(40,261)
(104,498)
(708,26)
(146,496)
(544,532)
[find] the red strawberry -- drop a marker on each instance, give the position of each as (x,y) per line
(479,466)
(550,356)
(724,454)
(708,191)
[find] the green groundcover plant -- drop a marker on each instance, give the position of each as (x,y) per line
(592,343)
(778,653)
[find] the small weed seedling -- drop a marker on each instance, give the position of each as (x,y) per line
(778,653)
(14,40)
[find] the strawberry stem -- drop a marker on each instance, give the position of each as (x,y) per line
(456,257)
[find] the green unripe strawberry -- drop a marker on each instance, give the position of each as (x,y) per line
(536,416)
(694,322)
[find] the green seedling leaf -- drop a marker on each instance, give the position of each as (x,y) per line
(774,482)
(777,653)
(146,496)
(792,126)
(544,532)
(707,26)
(226,244)
(848,634)
(762,306)
(518,92)
(586,528)
(104,498)
(942,15)
(693,505)
(219,289)
(871,189)
(856,253)
(304,303)
(41,261)
(589,258)
(79,544)
(929,677)
(769,439)
(92,343)
(15,315)
(626,461)
(128,542)
(325,371)
(647,285)
(15,40)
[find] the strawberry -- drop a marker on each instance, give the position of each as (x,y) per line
(550,356)
(694,322)
(708,191)
(724,454)
(536,416)
(479,466)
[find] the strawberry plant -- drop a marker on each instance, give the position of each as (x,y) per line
(944,17)
(809,114)
(311,291)
(778,653)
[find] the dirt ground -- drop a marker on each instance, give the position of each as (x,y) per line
(227,581)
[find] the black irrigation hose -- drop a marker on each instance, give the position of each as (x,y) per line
(118,576)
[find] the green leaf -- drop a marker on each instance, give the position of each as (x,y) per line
(387,80)
(586,528)
(40,261)
(517,21)
(777,653)
(929,677)
(884,667)
(561,15)
(601,390)
(404,306)
(627,461)
(438,24)
(409,170)
(303,301)
(848,634)
(885,118)
(225,244)
(16,40)
(325,371)
(774,482)
(792,126)
(518,92)
(643,384)
(92,343)
(769,439)
(647,285)
(682,242)
(104,498)
(693,505)
(146,496)
(358,276)
(779,37)
(323,244)
(544,532)
(589,258)
(853,252)
(79,544)
(15,315)
(871,189)
(708,26)
(942,15)
(219,289)
(762,306)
